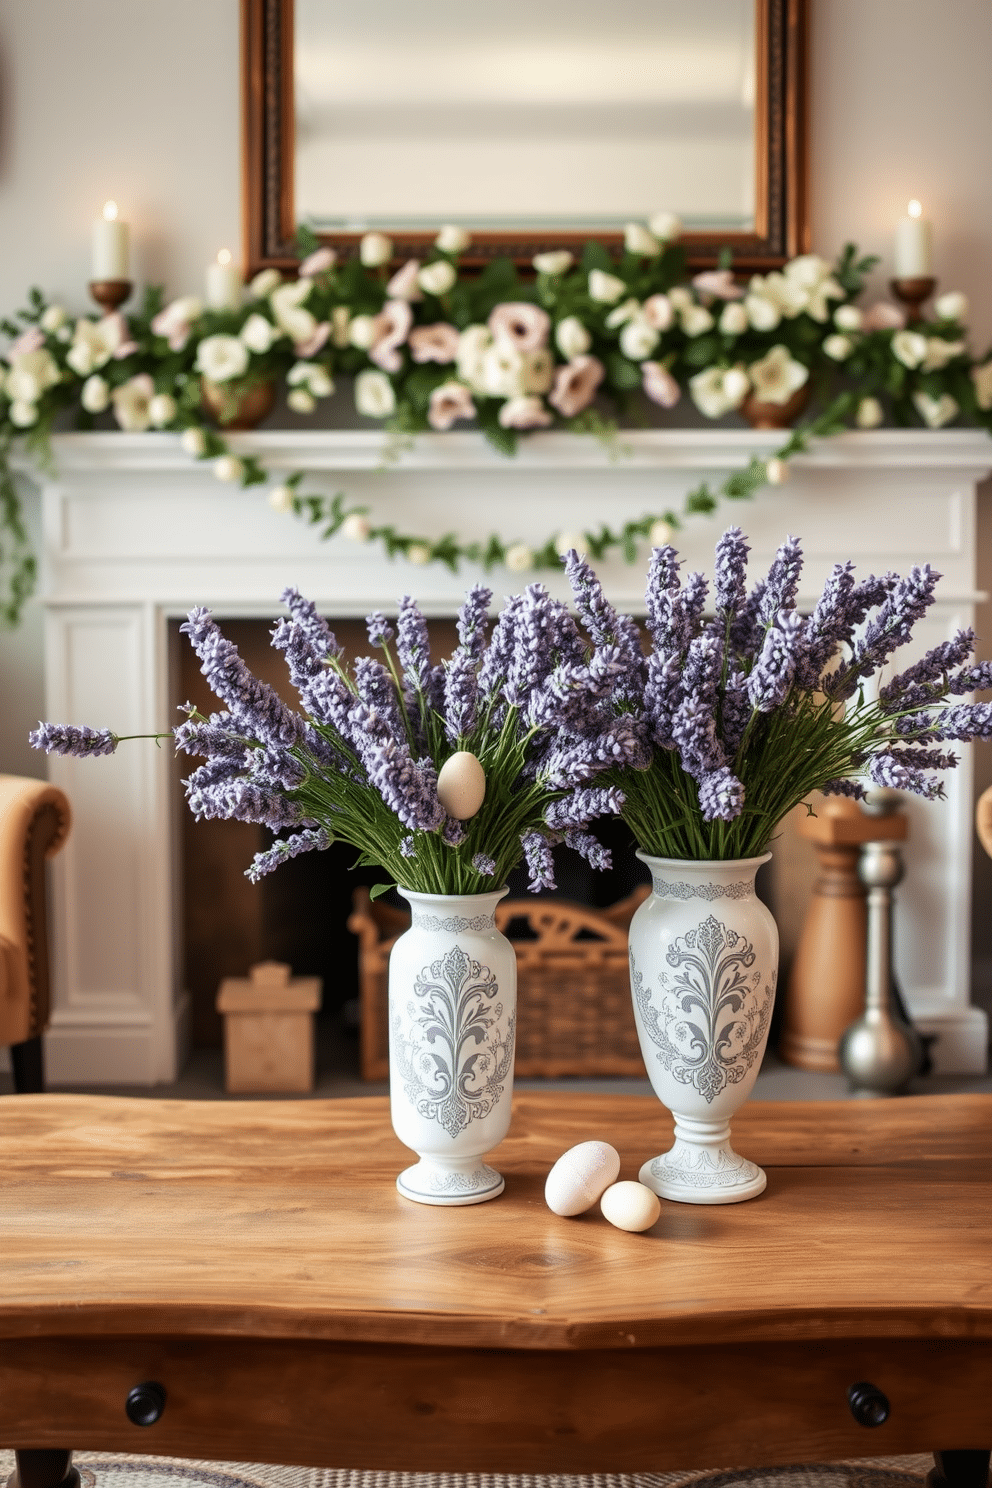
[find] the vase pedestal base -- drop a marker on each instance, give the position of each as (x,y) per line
(450,1182)
(702,1167)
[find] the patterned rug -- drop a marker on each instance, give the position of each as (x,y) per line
(103,1470)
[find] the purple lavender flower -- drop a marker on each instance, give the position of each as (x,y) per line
(496,661)
(694,721)
(532,657)
(314,839)
(735,712)
(730,575)
(972,679)
(473,618)
(885,770)
(454,832)
(907,601)
(769,682)
(844,787)
(540,863)
(662,693)
(409,789)
(485,867)
(661,598)
(306,620)
(379,629)
(605,625)
(254,703)
(374,687)
(582,805)
(79,741)
(721,795)
(782,583)
(590,848)
(413,648)
(930,673)
(461,694)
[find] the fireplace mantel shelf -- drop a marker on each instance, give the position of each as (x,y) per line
(136,532)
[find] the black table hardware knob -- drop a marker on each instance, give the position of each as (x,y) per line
(869,1405)
(145,1403)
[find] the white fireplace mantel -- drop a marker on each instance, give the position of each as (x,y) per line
(136,533)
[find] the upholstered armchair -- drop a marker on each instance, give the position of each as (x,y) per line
(34,823)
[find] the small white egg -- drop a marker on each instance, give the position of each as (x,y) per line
(579,1177)
(461,785)
(630,1206)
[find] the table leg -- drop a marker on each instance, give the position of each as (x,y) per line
(962,1469)
(43,1468)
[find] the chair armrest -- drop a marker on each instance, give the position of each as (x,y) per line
(34,823)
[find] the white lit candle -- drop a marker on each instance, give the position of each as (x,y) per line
(914,245)
(224,283)
(110,245)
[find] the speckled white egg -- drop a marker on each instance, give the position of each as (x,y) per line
(579,1177)
(630,1206)
(461,785)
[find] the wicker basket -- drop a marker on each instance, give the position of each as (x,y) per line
(574,1014)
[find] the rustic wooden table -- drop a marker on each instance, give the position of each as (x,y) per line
(256,1262)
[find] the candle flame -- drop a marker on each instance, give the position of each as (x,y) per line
(915,209)
(110,211)
(224,256)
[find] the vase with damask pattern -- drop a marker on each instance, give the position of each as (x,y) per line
(452,1020)
(703,967)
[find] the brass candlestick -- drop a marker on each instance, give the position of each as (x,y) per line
(913,293)
(110,293)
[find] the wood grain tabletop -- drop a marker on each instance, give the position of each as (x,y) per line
(281,1220)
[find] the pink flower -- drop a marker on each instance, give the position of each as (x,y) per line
(659,384)
(30,340)
(434,343)
(403,285)
(657,312)
(524,326)
(450,401)
(392,326)
(883,316)
(176,320)
(576,384)
(313,344)
(719,283)
(524,413)
(318,262)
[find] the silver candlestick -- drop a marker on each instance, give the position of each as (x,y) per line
(880,1053)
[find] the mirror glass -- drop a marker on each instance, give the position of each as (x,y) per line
(578,116)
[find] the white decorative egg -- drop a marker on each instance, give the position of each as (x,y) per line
(579,1177)
(461,785)
(630,1206)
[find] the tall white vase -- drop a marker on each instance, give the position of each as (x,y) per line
(452,1018)
(703,966)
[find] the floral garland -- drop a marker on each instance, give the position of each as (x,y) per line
(429,346)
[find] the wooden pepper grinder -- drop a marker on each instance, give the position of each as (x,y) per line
(826,988)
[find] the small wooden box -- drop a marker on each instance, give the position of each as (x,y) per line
(268,1030)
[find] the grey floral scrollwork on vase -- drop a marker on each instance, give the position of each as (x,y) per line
(456,1049)
(455,925)
(710,1021)
(710,891)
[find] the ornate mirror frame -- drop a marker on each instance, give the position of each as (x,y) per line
(781,176)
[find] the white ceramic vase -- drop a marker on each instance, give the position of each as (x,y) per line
(703,966)
(452,1018)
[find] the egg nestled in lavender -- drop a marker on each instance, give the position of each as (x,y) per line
(461,785)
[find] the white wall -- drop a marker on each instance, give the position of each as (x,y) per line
(139,101)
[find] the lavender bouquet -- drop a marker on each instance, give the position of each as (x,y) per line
(746,705)
(360,761)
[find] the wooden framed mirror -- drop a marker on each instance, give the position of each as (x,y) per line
(515,128)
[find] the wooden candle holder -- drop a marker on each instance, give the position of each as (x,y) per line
(110,294)
(913,293)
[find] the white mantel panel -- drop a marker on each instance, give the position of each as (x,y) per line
(136,532)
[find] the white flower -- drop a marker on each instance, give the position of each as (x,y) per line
(559,261)
(733,319)
(680,298)
(736,385)
(194,442)
(281,499)
(55,316)
(404,285)
(519,557)
(264,283)
(175,322)
(940,352)
(657,311)
(23,414)
(661,533)
(566,541)
(952,305)
(89,349)
(362,331)
(312,376)
(437,278)
(356,527)
(935,412)
(340,323)
(161,410)
(606,288)
(452,239)
(473,343)
(762,312)
(374,396)
(95,395)
(909,347)
(848,318)
(318,262)
(884,316)
(221,358)
(838,348)
(571,337)
(638,340)
(375,249)
(808,270)
(258,334)
(869,414)
(666,226)
(64,334)
(709,394)
(228,468)
(696,320)
(131,401)
(776,471)
(637,239)
(300,400)
(625,311)
(982,378)
(418,553)
(509,373)
(524,413)
(287,307)
(776,376)
(31,372)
